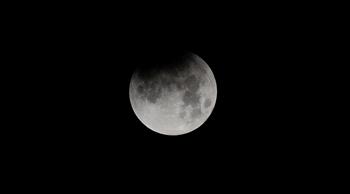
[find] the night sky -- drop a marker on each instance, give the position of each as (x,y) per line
(253,54)
(248,120)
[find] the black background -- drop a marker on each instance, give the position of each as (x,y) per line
(85,56)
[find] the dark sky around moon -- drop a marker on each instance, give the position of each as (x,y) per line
(244,86)
(256,53)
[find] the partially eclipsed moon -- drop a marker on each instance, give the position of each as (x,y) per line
(174,98)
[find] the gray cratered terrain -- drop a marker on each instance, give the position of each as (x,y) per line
(174,97)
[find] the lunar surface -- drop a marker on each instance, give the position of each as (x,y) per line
(175,97)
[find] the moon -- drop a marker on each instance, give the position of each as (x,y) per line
(175,96)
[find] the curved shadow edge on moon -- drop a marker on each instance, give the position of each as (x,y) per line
(174,100)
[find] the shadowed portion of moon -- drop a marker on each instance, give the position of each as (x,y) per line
(174,95)
(192,83)
(166,78)
(171,64)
